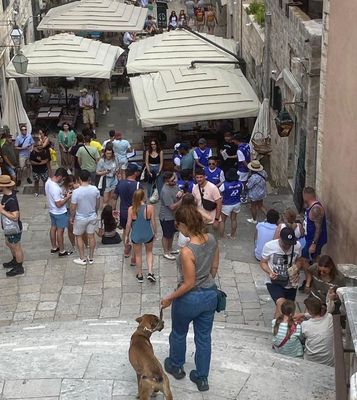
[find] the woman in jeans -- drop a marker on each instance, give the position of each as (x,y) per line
(107,167)
(154,161)
(66,139)
(195,299)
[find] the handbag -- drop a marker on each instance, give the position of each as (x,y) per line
(207,204)
(283,280)
(221,300)
(286,338)
(10,226)
(154,198)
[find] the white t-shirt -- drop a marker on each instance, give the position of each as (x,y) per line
(128,38)
(85,197)
(278,259)
(121,148)
(319,339)
(53,194)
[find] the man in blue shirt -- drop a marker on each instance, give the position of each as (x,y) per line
(24,144)
(213,173)
(265,232)
(202,153)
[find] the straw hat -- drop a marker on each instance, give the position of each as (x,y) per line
(5,181)
(255,166)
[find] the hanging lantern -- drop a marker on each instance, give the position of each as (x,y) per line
(284,123)
(20,63)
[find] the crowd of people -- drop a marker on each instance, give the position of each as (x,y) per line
(197,196)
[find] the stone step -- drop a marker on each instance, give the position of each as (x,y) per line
(88,360)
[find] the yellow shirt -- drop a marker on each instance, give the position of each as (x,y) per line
(96,145)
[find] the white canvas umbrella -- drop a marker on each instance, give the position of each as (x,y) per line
(95,15)
(175,49)
(14,112)
(65,55)
(183,95)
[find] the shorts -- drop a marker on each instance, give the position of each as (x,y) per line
(82,226)
(305,251)
(14,239)
(110,184)
(228,209)
(24,162)
(122,164)
(60,221)
(88,116)
(10,171)
(40,176)
(279,292)
(168,229)
(149,241)
(243,176)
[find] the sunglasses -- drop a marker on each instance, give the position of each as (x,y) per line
(23,129)
(211,163)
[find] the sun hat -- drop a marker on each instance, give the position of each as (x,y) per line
(255,166)
(287,235)
(5,181)
(84,90)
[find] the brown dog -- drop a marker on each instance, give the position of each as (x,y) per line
(151,377)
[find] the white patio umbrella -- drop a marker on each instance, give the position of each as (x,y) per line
(65,55)
(183,95)
(175,49)
(14,112)
(95,15)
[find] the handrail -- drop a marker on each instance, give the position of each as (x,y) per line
(340,372)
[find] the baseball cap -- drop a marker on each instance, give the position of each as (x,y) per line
(202,141)
(132,167)
(287,235)
(182,146)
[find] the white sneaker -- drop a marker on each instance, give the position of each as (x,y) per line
(252,221)
(169,257)
(79,261)
(104,112)
(90,261)
(175,252)
(108,109)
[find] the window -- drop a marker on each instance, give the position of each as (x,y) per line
(281,3)
(5,4)
(276,101)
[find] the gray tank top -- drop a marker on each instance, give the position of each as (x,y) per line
(204,254)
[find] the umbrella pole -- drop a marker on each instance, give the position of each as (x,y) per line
(66,94)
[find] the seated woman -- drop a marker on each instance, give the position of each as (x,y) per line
(173,21)
(107,227)
(150,25)
(286,333)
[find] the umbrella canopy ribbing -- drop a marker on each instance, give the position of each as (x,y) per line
(182,95)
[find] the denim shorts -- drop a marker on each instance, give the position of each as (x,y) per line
(60,221)
(13,239)
(9,170)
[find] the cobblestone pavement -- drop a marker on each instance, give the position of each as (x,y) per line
(54,288)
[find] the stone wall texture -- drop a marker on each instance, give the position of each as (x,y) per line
(337,145)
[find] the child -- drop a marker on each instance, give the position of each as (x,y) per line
(286,333)
(318,332)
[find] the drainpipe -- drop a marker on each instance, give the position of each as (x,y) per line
(267,48)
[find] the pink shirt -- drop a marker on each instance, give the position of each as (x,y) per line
(210,192)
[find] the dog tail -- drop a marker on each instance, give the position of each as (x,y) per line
(156,378)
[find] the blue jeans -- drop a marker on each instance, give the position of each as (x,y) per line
(159,182)
(198,306)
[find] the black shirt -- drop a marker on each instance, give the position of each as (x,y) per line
(39,156)
(10,203)
(231,150)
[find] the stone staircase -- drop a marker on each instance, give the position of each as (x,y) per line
(88,360)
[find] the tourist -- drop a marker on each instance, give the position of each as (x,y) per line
(23,144)
(208,198)
(202,153)
(88,158)
(121,149)
(182,19)
(142,227)
(70,183)
(151,27)
(107,169)
(128,38)
(124,191)
(185,183)
(278,256)
(169,204)
(186,158)
(154,162)
(190,10)
(11,225)
(257,189)
(75,164)
(47,145)
(173,21)
(66,139)
(265,232)
(105,95)
(231,191)
(315,230)
(86,104)
(39,159)
(287,334)
(110,140)
(84,207)
(195,299)
(211,20)
(243,159)
(214,174)
(290,220)
(9,156)
(228,152)
(200,19)
(108,224)
(56,204)
(318,334)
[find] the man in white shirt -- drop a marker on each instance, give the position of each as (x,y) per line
(86,103)
(56,203)
(277,257)
(84,207)
(128,38)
